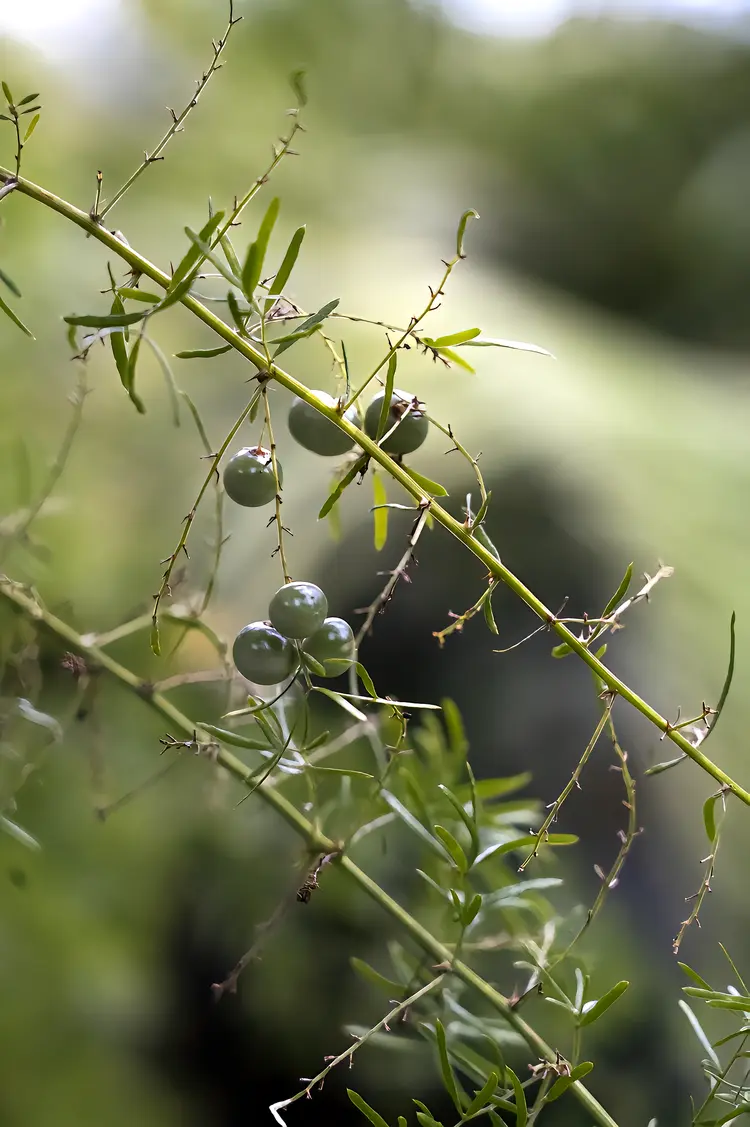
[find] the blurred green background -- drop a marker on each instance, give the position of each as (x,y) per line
(609,158)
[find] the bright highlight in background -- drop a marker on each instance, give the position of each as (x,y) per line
(43,22)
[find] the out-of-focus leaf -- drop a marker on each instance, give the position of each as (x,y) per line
(21,835)
(41,719)
(518,345)
(727,679)
(522,1111)
(15,318)
(413,823)
(701,1037)
(389,987)
(499,849)
(341,485)
(445,1066)
(452,847)
(380,515)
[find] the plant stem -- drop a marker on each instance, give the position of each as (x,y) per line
(177,119)
(18,597)
(494,566)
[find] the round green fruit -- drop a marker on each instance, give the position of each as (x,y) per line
(317,433)
(332,645)
(249,478)
(411,430)
(264,656)
(298,609)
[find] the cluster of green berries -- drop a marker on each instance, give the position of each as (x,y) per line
(298,632)
(249,478)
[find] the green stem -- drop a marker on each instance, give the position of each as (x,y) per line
(18,597)
(494,566)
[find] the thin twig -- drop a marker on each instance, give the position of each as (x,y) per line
(178,120)
(384,1023)
(400,571)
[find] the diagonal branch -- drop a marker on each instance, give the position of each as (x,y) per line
(399,473)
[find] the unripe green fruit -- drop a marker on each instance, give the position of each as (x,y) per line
(249,478)
(334,640)
(263,656)
(317,433)
(298,609)
(411,431)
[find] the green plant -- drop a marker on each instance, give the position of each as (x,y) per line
(382,768)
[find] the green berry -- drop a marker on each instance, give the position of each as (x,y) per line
(411,431)
(334,640)
(298,609)
(263,656)
(317,433)
(249,478)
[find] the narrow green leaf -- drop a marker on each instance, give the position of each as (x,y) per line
(306,328)
(709,816)
(313,664)
(235,739)
(342,702)
(380,515)
(287,265)
(482,1097)
(455,358)
(385,406)
(132,293)
(489,616)
(480,534)
(203,353)
(453,848)
(452,338)
(701,1037)
(499,850)
(8,95)
(665,765)
(413,823)
(25,101)
(562,1083)
(700,982)
(256,254)
(107,320)
(206,251)
(445,1066)
(21,835)
(9,283)
(349,772)
(341,485)
(129,381)
(467,820)
(522,1111)
(620,593)
(31,127)
(231,256)
(471,909)
(728,678)
(490,789)
(366,680)
(297,83)
(463,222)
(562,650)
(454,726)
(392,989)
(15,318)
(728,1117)
(516,345)
(117,344)
(402,1121)
(367,1111)
(737,974)
(193,255)
(426,484)
(595,1012)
